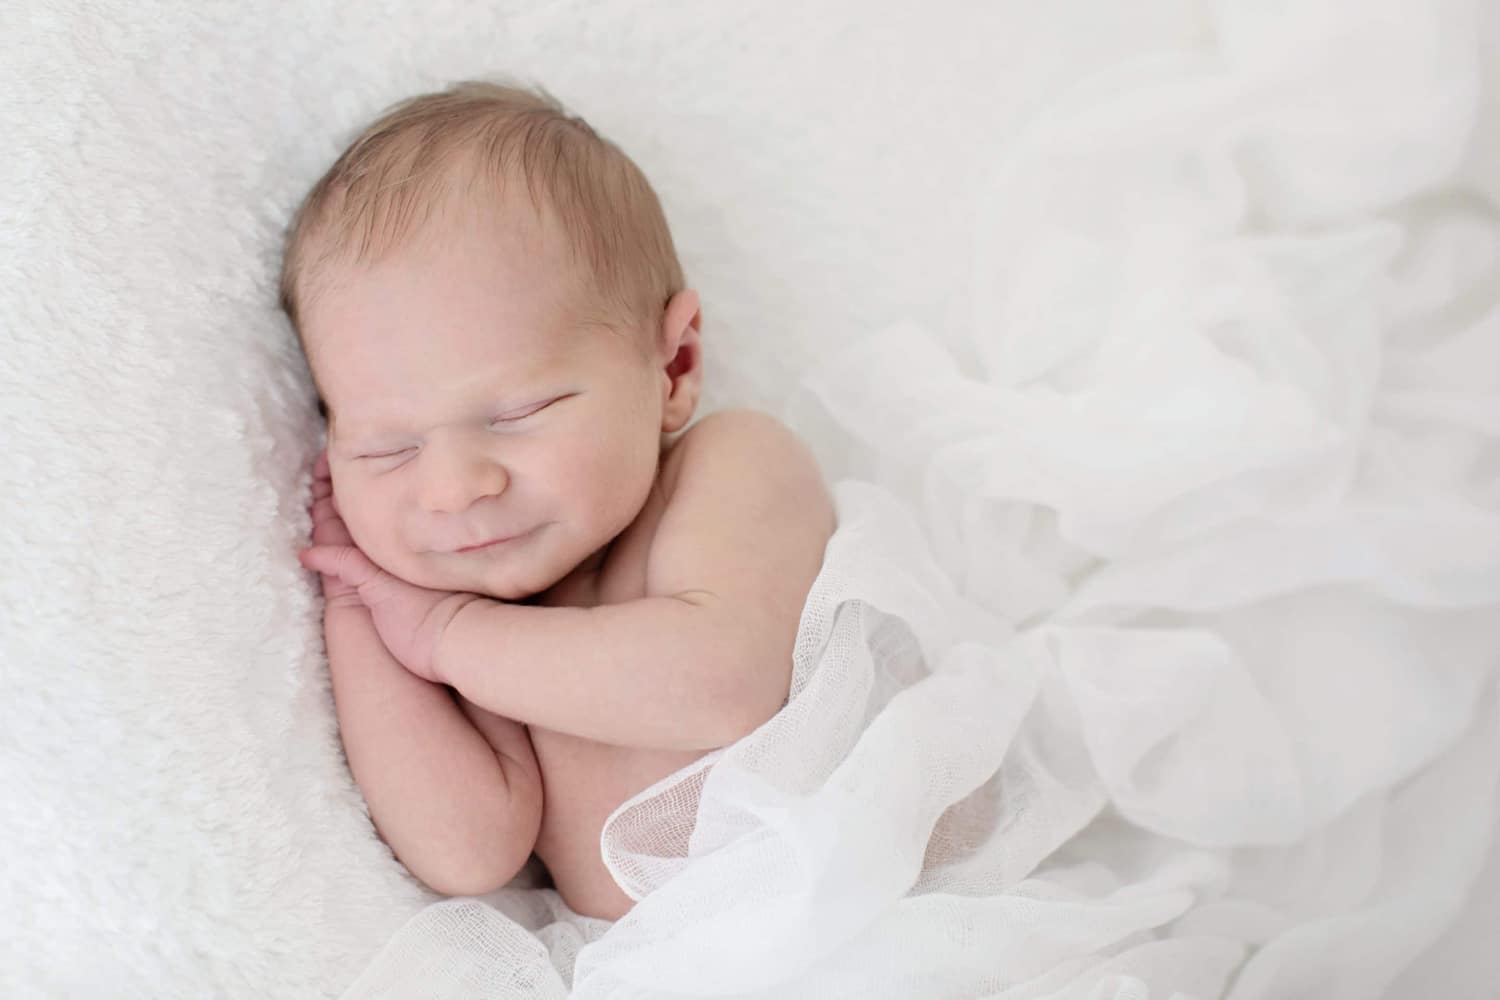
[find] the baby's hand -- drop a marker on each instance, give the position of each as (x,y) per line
(409,619)
(328,528)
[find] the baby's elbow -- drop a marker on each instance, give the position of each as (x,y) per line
(484,858)
(472,872)
(457,877)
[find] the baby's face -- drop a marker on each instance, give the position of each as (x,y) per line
(470,401)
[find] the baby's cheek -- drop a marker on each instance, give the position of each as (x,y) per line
(367,527)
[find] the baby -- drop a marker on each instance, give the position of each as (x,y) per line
(541,598)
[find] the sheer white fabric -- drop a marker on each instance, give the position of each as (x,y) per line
(1155,654)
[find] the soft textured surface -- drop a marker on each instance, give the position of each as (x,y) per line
(1155,348)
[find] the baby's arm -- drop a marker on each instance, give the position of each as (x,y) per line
(459,808)
(706,656)
(461,814)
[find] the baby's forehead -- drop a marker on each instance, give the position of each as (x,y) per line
(506,271)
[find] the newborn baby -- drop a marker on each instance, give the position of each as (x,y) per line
(540,597)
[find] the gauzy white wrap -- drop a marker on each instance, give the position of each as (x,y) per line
(1156,650)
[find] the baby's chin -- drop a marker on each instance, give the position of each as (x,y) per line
(530,569)
(498,585)
(506,591)
(502,582)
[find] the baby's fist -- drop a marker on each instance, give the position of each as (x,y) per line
(409,619)
(328,528)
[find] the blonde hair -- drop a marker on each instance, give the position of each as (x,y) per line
(405,165)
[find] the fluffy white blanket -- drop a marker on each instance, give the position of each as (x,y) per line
(1154,348)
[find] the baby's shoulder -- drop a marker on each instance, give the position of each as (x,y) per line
(733,446)
(745,492)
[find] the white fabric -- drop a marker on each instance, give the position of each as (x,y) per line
(1154,350)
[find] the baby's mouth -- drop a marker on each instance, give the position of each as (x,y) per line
(492,543)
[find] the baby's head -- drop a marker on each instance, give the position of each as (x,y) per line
(497,324)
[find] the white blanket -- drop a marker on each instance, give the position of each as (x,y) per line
(1154,350)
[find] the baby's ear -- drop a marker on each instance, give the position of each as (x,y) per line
(683,311)
(680,353)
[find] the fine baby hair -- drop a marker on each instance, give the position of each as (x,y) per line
(456,151)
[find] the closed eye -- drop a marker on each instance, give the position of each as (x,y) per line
(522,414)
(508,418)
(387,454)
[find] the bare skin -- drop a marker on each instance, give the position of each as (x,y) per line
(583,780)
(586,780)
(485,714)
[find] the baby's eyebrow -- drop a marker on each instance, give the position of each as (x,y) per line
(372,428)
(498,383)
(489,396)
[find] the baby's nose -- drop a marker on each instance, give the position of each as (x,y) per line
(453,486)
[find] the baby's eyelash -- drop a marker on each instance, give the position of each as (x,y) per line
(521,414)
(525,413)
(386,454)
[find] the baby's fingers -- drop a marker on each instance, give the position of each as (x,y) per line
(346,562)
(325,508)
(328,528)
